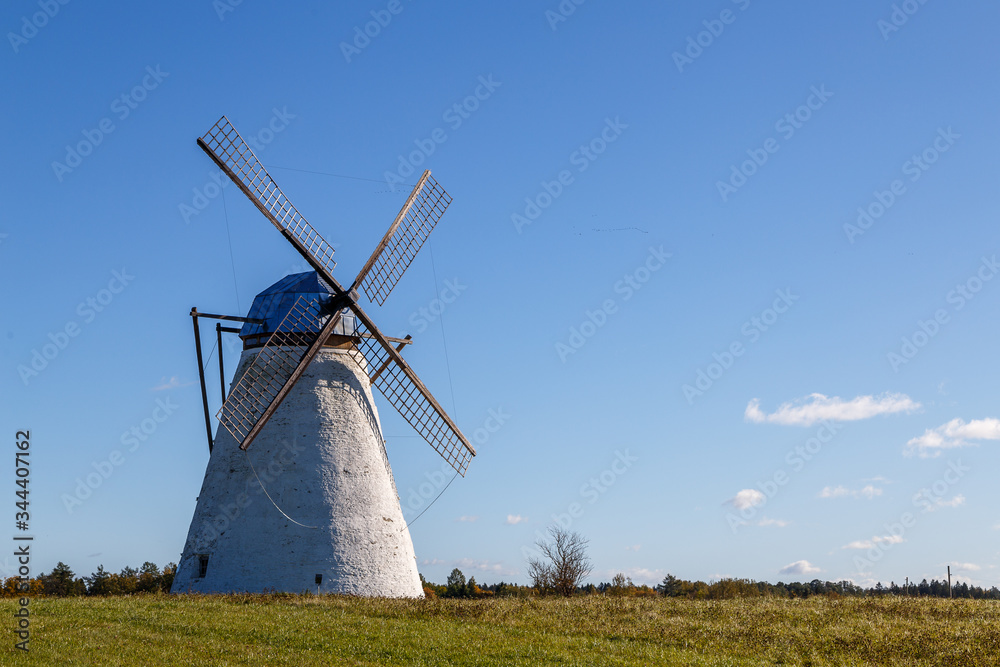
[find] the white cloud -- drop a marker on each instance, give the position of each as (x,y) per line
(859,544)
(514,519)
(879,479)
(996,526)
(878,539)
(467,519)
(956,433)
(634,547)
(777,523)
(869,491)
(746,498)
(473,565)
(171,383)
(488,566)
(954,502)
(799,567)
(638,575)
(931,503)
(817,407)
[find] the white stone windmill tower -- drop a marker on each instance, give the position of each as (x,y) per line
(313,505)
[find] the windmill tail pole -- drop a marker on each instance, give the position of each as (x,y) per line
(201,375)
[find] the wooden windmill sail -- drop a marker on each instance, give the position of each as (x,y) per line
(303,396)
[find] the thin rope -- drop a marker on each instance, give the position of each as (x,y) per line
(250,463)
(450,383)
(444,338)
(432,502)
(232,259)
(324,173)
(209,360)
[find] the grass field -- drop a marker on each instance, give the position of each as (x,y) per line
(303,630)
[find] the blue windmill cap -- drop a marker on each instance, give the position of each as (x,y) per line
(272,305)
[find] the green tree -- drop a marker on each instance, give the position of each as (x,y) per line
(127,581)
(149,578)
(670,586)
(61,581)
(167,577)
(620,585)
(99,582)
(455,585)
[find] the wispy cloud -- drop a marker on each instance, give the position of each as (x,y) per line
(869,491)
(954,502)
(878,539)
(491,567)
(514,519)
(467,519)
(746,498)
(878,479)
(638,575)
(172,383)
(634,547)
(775,523)
(471,564)
(817,407)
(956,433)
(799,567)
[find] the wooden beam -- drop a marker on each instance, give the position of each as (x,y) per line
(201,375)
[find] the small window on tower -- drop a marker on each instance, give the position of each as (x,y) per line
(202,566)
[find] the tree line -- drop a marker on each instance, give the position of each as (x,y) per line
(63,582)
(723,589)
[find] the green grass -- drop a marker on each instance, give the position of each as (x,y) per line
(303,630)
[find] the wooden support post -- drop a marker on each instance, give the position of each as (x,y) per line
(949,581)
(201,376)
(222,368)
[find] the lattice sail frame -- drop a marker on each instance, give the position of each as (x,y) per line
(225,145)
(278,364)
(407,234)
(394,378)
(242,413)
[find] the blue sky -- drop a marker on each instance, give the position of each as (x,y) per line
(762,202)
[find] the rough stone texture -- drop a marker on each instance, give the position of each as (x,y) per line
(322,460)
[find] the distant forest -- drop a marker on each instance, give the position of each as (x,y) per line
(723,589)
(63,582)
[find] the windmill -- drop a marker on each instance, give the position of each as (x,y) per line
(319,509)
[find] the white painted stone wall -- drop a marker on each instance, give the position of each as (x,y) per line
(321,458)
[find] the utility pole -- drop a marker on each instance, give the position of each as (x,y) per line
(949,581)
